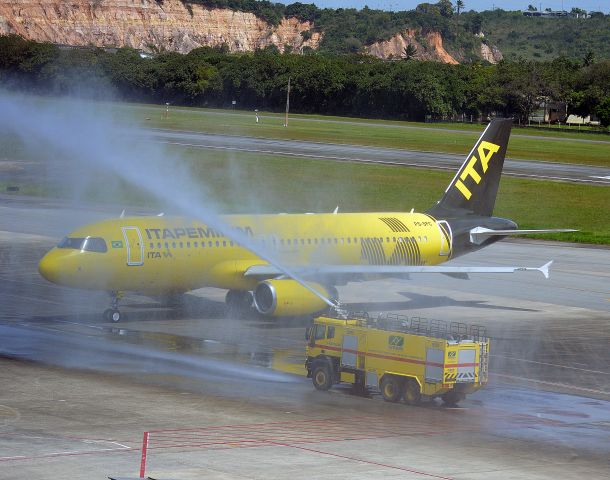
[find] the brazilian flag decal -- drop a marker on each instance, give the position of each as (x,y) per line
(117,244)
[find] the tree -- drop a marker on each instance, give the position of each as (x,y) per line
(460,6)
(531,8)
(445,8)
(522,85)
(476,23)
(603,112)
(352,45)
(589,58)
(409,52)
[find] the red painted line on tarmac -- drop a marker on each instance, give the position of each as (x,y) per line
(143,455)
(370,462)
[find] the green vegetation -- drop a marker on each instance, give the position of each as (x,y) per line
(539,38)
(353,85)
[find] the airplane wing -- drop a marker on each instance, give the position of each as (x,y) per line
(479,234)
(268,271)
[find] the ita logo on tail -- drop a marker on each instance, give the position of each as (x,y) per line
(486,151)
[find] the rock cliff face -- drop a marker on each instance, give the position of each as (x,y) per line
(429,46)
(491,54)
(153,25)
(147,25)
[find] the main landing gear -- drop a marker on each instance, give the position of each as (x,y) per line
(113,314)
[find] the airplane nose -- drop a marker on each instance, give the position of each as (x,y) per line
(49,267)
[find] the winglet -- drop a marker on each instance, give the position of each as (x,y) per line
(122,214)
(545,269)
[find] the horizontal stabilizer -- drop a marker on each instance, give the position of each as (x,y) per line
(313,271)
(479,234)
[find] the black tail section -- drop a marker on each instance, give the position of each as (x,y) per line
(473,189)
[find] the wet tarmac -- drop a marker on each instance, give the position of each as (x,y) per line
(225,397)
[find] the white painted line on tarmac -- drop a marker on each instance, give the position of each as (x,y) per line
(551,364)
(553,384)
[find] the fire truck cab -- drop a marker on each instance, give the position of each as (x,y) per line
(402,357)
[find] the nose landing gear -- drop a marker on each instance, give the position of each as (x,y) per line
(113,314)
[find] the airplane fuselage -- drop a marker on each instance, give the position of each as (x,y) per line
(156,255)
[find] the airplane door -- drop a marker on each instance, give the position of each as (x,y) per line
(446,238)
(135,246)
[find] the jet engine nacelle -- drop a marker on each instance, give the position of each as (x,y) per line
(287,297)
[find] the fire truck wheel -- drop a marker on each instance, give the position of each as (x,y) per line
(391,388)
(412,393)
(321,376)
(452,397)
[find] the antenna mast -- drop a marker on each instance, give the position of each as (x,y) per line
(287,103)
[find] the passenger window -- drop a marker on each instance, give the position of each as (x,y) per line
(331,332)
(188,244)
(320,332)
(173,244)
(224,243)
(217,243)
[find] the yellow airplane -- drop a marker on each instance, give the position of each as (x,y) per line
(159,255)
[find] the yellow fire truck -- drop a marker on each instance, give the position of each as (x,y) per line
(404,357)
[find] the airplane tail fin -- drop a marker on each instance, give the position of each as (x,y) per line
(473,189)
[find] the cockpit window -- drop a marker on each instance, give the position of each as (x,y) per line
(88,244)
